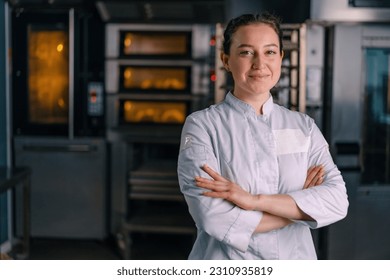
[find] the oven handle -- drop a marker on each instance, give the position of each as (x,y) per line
(71,73)
(74,148)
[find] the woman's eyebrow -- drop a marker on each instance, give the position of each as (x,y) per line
(245,46)
(251,46)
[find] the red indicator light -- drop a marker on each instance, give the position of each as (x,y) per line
(212,41)
(93,97)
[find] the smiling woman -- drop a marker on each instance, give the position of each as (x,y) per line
(255,61)
(256,176)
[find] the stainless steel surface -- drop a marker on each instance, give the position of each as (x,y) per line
(71,74)
(340,10)
(373,208)
(346,119)
(347,87)
(178,11)
(302,68)
(68,190)
(364,233)
(10,180)
(315,56)
(7,43)
(118,183)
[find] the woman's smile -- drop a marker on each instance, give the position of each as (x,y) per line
(255,63)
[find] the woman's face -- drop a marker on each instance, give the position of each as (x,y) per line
(254,60)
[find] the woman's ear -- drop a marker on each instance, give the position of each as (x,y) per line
(282,54)
(225,61)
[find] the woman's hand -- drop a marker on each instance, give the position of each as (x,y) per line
(220,187)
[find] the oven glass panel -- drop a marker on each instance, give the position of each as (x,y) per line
(154,78)
(48,79)
(153,112)
(376,126)
(155,43)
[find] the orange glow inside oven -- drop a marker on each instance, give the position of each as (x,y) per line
(154,112)
(48,78)
(147,78)
(154,44)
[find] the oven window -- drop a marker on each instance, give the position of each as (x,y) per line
(376,116)
(153,112)
(154,78)
(48,79)
(156,43)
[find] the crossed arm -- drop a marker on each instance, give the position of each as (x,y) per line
(278,209)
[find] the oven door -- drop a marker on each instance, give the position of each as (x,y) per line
(157,112)
(360,137)
(157,77)
(373,196)
(41,75)
(155,44)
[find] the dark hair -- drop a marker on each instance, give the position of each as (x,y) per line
(247,19)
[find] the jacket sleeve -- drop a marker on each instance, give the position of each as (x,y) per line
(219,218)
(326,203)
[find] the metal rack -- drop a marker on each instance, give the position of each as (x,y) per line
(155,204)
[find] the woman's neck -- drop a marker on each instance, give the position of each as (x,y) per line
(255,100)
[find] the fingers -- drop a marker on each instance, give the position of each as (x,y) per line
(216,186)
(311,174)
(222,195)
(211,184)
(216,176)
(315,176)
(320,178)
(215,189)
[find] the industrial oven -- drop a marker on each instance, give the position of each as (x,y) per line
(348,82)
(155,76)
(360,137)
(58,119)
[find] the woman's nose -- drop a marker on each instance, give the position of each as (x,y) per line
(257,62)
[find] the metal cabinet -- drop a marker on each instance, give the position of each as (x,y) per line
(68,186)
(153,204)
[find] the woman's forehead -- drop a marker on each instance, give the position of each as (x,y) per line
(255,33)
(256,27)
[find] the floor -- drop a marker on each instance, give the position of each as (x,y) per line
(145,247)
(65,249)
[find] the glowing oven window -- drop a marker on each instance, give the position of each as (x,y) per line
(156,78)
(156,44)
(48,81)
(154,112)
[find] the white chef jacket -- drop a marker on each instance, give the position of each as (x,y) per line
(264,154)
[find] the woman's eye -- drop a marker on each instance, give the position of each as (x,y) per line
(246,53)
(270,52)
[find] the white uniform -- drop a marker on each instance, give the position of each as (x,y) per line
(264,154)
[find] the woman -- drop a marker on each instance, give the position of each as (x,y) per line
(250,170)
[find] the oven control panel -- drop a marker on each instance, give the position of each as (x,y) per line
(95,99)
